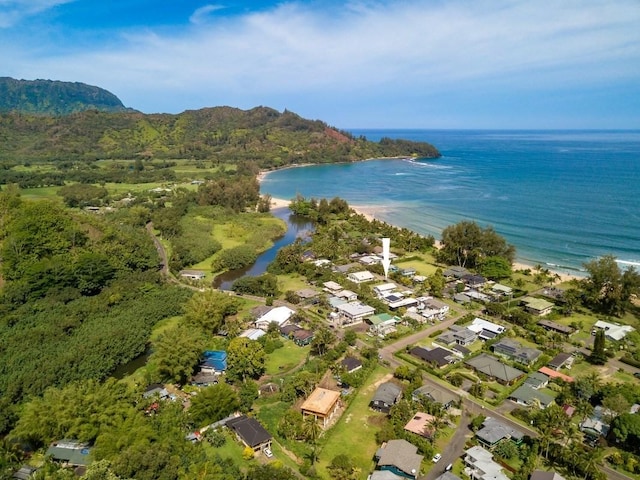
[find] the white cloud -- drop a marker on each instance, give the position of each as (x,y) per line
(370,49)
(202,14)
(14,11)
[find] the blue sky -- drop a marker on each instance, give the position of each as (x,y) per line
(358,64)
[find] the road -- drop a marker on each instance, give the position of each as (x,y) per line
(470,407)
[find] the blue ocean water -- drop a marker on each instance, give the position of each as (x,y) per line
(561,197)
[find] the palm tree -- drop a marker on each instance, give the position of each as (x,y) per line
(592,460)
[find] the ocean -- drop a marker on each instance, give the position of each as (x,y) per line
(561,197)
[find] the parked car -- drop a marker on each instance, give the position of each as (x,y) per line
(436,458)
(449,467)
(268,453)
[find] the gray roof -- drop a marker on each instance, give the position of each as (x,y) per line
(438,355)
(250,430)
(493,367)
(527,395)
(494,430)
(540,475)
(536,380)
(448,476)
(384,475)
(465,334)
(435,394)
(516,350)
(388,393)
(559,360)
(400,454)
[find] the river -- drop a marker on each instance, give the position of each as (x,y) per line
(296,227)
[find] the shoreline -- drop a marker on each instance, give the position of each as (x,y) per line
(369,212)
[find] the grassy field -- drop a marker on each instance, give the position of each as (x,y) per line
(359,424)
(285,358)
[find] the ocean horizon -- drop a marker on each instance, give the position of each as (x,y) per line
(562,197)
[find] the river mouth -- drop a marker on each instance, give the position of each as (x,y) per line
(297,227)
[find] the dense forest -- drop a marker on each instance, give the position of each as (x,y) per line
(222,134)
(50,97)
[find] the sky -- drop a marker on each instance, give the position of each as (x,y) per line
(437,64)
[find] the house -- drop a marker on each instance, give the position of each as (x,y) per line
(252,333)
(346,268)
(307,293)
(513,350)
(537,380)
(613,331)
(500,290)
(302,337)
(461,298)
(481,466)
(351,364)
(351,313)
(369,259)
(322,404)
(526,395)
(156,389)
(561,360)
(421,424)
(596,425)
(25,473)
(384,475)
(398,301)
(214,360)
(555,327)
(494,368)
(278,315)
(70,452)
(554,374)
(332,286)
(361,277)
(433,394)
(287,330)
(399,457)
(408,272)
(541,475)
(494,431)
(204,379)
(250,432)
(438,357)
(464,337)
(448,476)
(192,274)
(434,307)
(537,306)
(486,330)
(473,281)
(382,324)
(384,289)
(347,295)
(477,296)
(455,272)
(386,396)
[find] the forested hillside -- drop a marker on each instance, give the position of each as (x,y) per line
(222,134)
(50,97)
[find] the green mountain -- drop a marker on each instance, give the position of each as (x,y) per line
(48,97)
(223,134)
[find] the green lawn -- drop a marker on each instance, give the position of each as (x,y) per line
(358,424)
(285,358)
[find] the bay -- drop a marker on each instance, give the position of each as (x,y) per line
(561,197)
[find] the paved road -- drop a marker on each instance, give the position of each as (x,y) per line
(454,448)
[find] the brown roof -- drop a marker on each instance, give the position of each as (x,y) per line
(420,424)
(321,401)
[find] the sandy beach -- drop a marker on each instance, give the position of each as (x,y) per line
(370,211)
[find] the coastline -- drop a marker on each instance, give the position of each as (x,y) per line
(369,212)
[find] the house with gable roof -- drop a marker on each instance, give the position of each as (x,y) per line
(400,457)
(385,397)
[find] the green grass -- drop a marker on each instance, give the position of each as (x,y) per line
(42,193)
(232,449)
(285,358)
(292,282)
(358,424)
(164,325)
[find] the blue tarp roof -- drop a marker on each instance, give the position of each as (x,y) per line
(215,359)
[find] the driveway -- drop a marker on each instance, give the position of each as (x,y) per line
(454,449)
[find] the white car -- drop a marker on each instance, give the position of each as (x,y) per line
(436,458)
(268,453)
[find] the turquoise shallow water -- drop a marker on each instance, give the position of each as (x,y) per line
(561,197)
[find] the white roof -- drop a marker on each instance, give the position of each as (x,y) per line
(346,294)
(614,330)
(278,315)
(332,285)
(253,333)
(385,287)
(356,309)
(362,276)
(480,324)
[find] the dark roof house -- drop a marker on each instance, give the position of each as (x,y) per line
(436,395)
(493,431)
(351,364)
(494,368)
(250,432)
(438,357)
(386,396)
(517,352)
(399,457)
